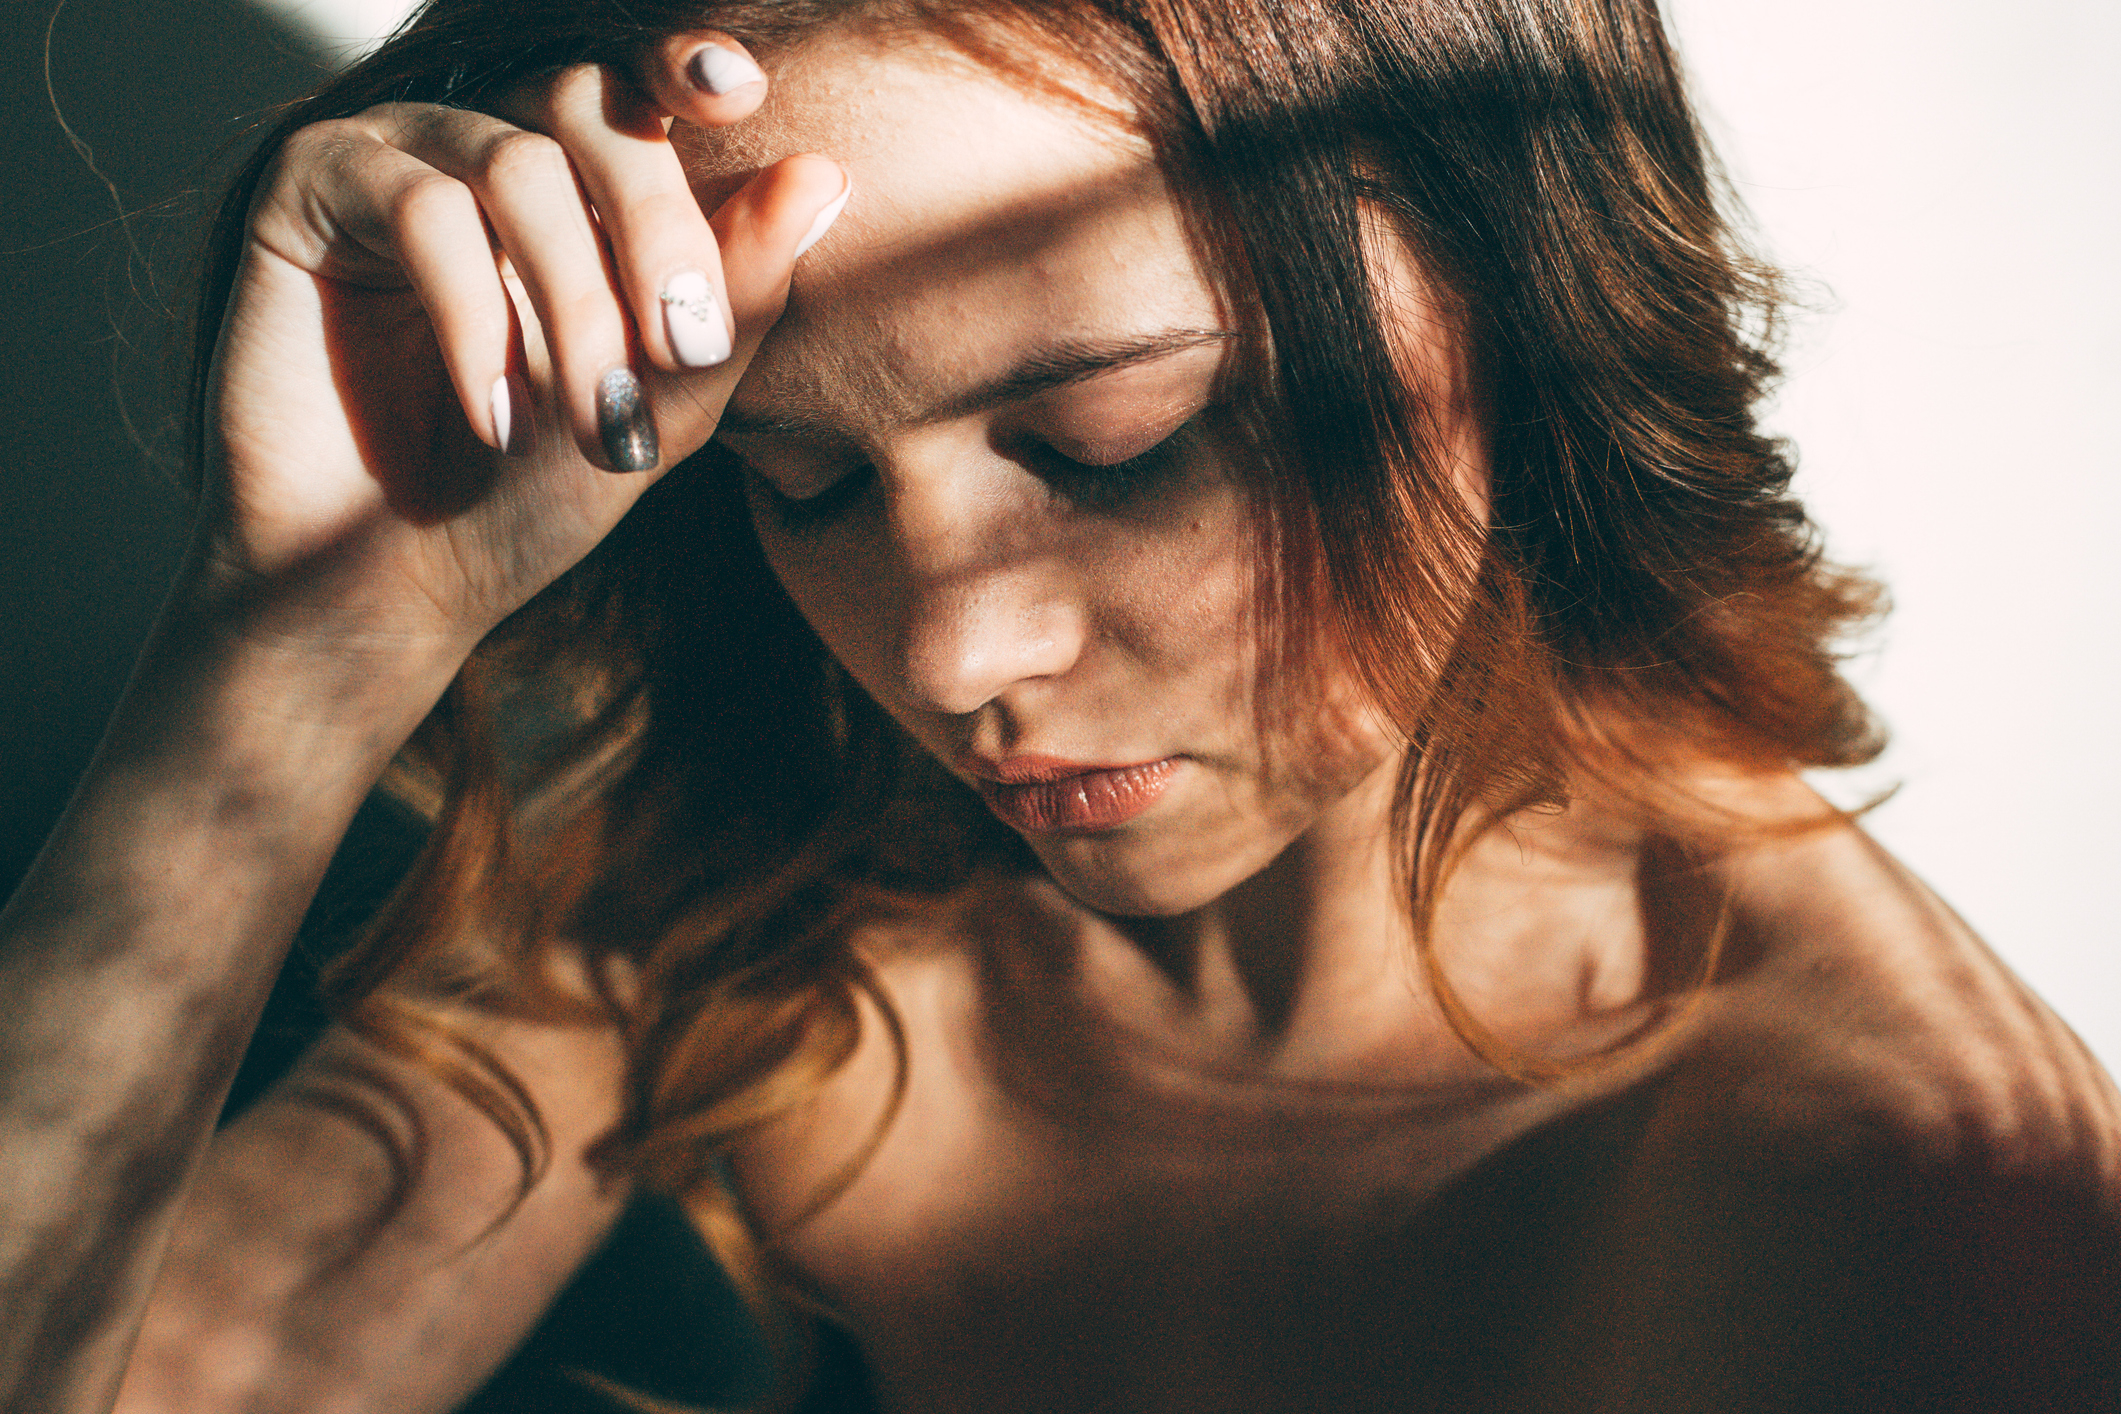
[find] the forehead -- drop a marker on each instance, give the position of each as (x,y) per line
(989,218)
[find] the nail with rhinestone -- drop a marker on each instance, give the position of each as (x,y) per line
(692,318)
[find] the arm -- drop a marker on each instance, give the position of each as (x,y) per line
(282,1292)
(136,957)
(362,529)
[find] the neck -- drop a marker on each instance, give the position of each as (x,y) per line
(1309,967)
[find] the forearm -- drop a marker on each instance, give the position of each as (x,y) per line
(136,954)
(301,1277)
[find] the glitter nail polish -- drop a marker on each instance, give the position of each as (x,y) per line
(624,424)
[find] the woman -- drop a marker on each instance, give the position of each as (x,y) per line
(1189,806)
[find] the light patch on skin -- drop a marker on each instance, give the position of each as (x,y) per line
(958,212)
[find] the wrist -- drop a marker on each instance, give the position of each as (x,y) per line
(296,719)
(313,657)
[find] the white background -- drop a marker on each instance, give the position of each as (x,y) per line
(1945,178)
(1951,173)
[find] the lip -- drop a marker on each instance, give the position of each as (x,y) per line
(1048,795)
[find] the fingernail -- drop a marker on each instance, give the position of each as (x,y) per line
(693,320)
(511,414)
(824,220)
(502,406)
(623,423)
(718,71)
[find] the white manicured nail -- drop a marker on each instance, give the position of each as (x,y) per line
(825,218)
(693,320)
(719,71)
(503,408)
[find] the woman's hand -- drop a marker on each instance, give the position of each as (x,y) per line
(361,532)
(460,346)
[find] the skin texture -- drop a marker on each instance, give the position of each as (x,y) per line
(1208,1144)
(1183,1130)
(996,600)
(358,535)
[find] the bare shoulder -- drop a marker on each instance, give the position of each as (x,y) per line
(1861,1006)
(1884,1176)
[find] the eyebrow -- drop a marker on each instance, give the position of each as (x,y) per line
(1058,365)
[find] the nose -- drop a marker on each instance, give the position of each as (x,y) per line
(968,640)
(988,598)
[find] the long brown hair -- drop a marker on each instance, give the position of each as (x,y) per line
(658,763)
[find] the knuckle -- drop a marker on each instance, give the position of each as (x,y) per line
(313,172)
(403,126)
(387,118)
(521,157)
(590,321)
(318,147)
(424,198)
(571,89)
(575,81)
(667,212)
(305,143)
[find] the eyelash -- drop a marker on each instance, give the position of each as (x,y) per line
(1112,485)
(809,513)
(1094,487)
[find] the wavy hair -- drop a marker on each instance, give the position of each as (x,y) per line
(656,763)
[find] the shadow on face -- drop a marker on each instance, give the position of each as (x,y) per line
(991,460)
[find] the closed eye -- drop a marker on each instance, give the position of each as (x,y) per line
(1097,486)
(800,514)
(1110,486)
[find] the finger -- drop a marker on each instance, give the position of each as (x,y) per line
(428,224)
(667,263)
(526,186)
(767,226)
(702,77)
(761,228)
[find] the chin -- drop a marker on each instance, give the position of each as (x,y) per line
(1139,875)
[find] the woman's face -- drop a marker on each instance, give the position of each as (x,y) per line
(984,464)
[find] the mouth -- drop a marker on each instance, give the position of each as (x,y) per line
(1045,795)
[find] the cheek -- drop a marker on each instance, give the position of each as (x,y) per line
(1180,602)
(843,605)
(1163,598)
